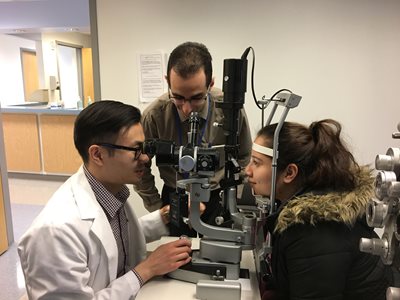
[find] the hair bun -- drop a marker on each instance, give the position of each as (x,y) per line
(314,129)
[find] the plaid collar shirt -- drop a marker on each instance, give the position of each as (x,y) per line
(113,207)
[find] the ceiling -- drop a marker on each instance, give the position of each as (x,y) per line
(36,16)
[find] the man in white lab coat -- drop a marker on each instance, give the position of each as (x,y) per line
(87,243)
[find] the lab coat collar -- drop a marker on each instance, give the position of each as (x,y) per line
(89,209)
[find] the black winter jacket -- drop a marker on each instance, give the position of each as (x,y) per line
(316,254)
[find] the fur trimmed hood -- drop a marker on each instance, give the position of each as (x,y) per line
(344,207)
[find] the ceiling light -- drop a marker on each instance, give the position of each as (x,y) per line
(71,29)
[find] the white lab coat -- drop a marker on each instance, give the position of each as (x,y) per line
(69,252)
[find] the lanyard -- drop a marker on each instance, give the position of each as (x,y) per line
(179,125)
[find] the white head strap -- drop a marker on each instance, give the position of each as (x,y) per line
(262,149)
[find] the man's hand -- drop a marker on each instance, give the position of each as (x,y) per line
(166,258)
(202,207)
(164,212)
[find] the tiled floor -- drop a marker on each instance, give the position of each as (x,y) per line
(27,198)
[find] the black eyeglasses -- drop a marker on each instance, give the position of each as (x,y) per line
(138,150)
(196,99)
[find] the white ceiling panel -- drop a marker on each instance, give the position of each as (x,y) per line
(44,16)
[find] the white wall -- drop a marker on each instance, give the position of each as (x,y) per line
(11,80)
(342,56)
(49,50)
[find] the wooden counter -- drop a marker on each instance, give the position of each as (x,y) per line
(3,221)
(40,140)
(6,229)
(59,153)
